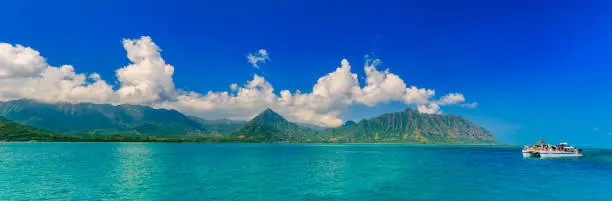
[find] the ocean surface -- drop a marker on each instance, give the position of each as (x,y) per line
(191,171)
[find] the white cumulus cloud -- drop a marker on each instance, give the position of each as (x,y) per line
(25,74)
(147,80)
(261,56)
(20,62)
(381,86)
(431,108)
(452,98)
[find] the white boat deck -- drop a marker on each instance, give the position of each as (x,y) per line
(542,150)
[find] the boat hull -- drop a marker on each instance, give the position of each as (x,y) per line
(559,154)
(550,154)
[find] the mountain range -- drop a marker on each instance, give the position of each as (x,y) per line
(88,119)
(408,126)
(99,119)
(411,126)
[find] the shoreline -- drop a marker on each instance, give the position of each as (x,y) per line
(237,142)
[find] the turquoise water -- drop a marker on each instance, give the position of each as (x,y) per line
(166,171)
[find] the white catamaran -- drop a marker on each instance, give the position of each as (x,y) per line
(544,150)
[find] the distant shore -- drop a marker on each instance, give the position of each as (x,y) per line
(178,140)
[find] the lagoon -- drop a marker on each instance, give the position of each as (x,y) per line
(225,171)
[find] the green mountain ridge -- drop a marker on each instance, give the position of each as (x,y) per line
(132,122)
(99,119)
(12,131)
(411,126)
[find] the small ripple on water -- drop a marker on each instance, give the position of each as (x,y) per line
(153,171)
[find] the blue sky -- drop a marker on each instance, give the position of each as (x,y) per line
(537,69)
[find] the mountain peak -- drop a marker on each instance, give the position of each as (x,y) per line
(268,115)
(348,123)
(270,126)
(269,111)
